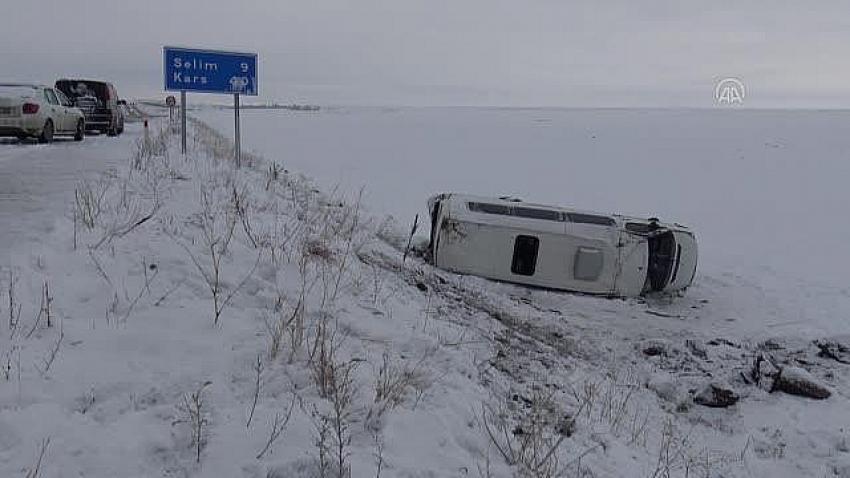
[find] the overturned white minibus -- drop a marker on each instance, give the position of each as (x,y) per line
(559,248)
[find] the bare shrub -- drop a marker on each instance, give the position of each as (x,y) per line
(335,382)
(99,267)
(14,306)
(258,369)
(242,207)
(89,201)
(378,454)
(393,384)
(610,401)
(322,359)
(277,429)
(192,411)
(293,323)
(282,322)
(128,213)
(272,175)
(341,416)
(43,310)
(48,360)
(34,470)
(678,456)
(531,444)
(148,148)
(113,205)
(6,365)
(377,284)
(350,223)
(217,232)
(322,429)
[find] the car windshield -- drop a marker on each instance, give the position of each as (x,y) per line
(20,91)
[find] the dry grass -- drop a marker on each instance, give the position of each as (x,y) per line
(530,443)
(394,383)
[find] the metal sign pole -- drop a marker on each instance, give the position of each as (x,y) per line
(183,121)
(237,134)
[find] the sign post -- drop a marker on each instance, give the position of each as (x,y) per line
(183,122)
(210,71)
(236,133)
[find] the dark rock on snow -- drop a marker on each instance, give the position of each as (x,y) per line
(798,381)
(716,395)
(836,348)
(655,347)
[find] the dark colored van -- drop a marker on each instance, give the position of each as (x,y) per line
(98,101)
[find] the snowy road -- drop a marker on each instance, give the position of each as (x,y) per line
(37,181)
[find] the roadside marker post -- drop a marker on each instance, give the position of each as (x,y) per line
(183,122)
(170,102)
(211,71)
(237,143)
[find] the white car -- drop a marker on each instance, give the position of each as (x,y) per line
(36,111)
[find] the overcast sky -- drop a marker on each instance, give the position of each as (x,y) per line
(453,52)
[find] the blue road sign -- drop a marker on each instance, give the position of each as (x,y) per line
(210,71)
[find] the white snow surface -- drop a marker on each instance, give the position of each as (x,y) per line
(764,190)
(132,329)
(35,181)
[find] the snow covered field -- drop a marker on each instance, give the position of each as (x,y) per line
(131,346)
(765,191)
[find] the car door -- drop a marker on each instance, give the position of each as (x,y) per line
(69,119)
(55,110)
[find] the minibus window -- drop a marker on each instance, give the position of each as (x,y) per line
(525,255)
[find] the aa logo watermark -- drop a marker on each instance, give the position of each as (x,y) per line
(730,91)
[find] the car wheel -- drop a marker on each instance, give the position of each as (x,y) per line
(81,131)
(112,131)
(46,133)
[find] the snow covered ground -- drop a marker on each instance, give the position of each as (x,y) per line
(765,191)
(184,274)
(36,181)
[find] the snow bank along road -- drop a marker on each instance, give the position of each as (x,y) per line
(244,323)
(37,181)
